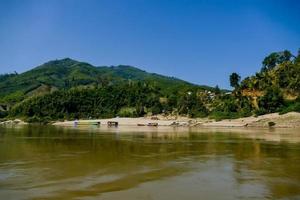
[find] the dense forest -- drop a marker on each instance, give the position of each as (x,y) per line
(68,89)
(67,73)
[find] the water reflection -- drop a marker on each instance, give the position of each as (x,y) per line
(45,162)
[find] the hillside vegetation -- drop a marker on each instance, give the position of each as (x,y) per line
(276,88)
(68,73)
(68,89)
(60,79)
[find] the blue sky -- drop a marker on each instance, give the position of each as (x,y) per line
(198,41)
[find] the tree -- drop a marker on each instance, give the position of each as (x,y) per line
(191,105)
(285,56)
(270,61)
(234,80)
(217,90)
(275,58)
(297,58)
(272,100)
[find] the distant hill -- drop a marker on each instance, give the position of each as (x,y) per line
(67,73)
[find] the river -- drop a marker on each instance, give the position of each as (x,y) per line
(47,162)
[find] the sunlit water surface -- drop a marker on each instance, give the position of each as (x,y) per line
(46,162)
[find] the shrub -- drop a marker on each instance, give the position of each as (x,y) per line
(260,111)
(33,119)
(217,115)
(127,112)
(40,120)
(156,109)
(291,107)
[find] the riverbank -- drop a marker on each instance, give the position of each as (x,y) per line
(13,122)
(288,120)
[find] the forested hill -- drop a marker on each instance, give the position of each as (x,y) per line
(68,89)
(68,73)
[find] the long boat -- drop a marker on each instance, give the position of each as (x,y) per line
(86,123)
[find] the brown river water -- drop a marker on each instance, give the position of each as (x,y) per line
(47,162)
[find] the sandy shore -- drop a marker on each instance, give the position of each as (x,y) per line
(123,122)
(289,120)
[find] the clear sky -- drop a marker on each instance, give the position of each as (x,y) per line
(199,41)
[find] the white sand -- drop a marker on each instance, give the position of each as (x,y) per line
(289,120)
(121,122)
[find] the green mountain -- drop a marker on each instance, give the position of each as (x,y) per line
(68,89)
(68,73)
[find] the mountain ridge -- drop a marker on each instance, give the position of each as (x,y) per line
(66,73)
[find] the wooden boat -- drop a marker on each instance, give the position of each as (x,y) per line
(86,123)
(96,123)
(112,123)
(152,124)
(141,124)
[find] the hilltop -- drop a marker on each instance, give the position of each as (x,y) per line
(68,73)
(67,81)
